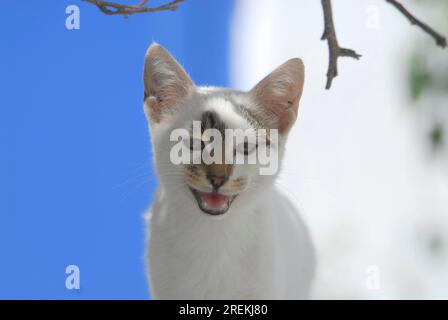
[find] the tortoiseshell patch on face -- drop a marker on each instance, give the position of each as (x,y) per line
(214,181)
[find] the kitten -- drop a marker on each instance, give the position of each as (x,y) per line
(220,230)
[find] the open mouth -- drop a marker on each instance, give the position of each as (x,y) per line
(213,203)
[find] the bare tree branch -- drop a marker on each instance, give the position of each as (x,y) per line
(335,51)
(440,40)
(113,8)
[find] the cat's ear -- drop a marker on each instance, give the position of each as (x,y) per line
(277,96)
(165,82)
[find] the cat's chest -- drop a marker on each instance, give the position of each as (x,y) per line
(203,261)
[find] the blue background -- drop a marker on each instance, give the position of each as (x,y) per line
(75,163)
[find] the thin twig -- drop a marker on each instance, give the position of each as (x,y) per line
(440,40)
(113,8)
(335,51)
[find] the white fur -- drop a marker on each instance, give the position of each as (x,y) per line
(263,252)
(259,249)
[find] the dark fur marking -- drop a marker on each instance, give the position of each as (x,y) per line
(210,120)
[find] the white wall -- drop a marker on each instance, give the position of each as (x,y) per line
(355,165)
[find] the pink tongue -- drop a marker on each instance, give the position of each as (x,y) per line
(214,200)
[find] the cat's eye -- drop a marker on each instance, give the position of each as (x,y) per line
(246,147)
(195,144)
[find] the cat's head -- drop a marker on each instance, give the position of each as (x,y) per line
(173,103)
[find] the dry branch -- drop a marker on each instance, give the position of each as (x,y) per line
(440,40)
(113,8)
(335,51)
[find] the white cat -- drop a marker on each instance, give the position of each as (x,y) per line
(222,231)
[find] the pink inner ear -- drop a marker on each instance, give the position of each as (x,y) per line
(286,113)
(165,82)
(279,93)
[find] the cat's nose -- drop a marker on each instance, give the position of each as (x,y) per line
(217,181)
